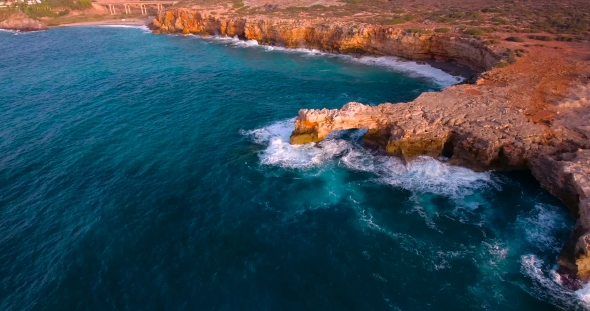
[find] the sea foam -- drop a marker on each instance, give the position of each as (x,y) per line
(422,175)
(547,284)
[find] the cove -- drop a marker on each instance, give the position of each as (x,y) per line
(155,172)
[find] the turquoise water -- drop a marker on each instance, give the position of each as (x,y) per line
(146,172)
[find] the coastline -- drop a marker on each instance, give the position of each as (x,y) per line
(510,116)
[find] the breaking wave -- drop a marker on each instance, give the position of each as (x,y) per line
(422,175)
(546,285)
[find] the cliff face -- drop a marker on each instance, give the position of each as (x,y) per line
(340,38)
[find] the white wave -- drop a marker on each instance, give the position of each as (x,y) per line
(396,64)
(584,294)
(18,32)
(280,152)
(540,226)
(423,175)
(244,43)
(313,52)
(547,286)
(125,26)
(411,68)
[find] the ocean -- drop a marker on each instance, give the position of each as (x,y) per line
(144,172)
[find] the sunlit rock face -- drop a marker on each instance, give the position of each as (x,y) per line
(334,38)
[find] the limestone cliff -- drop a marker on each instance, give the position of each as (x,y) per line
(339,38)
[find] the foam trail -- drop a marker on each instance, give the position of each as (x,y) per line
(412,69)
(144,28)
(396,64)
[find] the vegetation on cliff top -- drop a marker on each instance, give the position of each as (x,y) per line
(48,8)
(470,18)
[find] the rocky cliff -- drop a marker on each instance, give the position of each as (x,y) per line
(512,119)
(334,38)
(21,22)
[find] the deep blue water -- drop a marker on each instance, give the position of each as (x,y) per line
(142,172)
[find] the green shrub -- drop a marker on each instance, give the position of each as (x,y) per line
(499,20)
(457,15)
(395,21)
(520,52)
(238,4)
(446,20)
(474,16)
(474,32)
(418,31)
(491,10)
(566,39)
(478,31)
(515,39)
(410,17)
(541,38)
(442,30)
(510,56)
(502,64)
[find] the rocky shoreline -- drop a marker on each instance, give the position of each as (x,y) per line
(515,118)
(20,22)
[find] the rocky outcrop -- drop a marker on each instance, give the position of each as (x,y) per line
(21,22)
(567,176)
(480,135)
(334,38)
